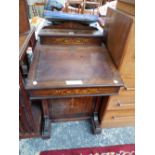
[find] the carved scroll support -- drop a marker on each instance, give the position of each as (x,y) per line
(95,117)
(46,121)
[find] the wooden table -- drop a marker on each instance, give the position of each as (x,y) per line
(73,82)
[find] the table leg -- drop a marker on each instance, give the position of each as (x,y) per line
(46,121)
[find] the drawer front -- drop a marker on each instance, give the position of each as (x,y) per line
(71,92)
(118,118)
(70,40)
(125,100)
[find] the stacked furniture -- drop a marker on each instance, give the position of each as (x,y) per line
(120,109)
(29,112)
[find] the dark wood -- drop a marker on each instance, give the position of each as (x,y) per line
(24,25)
(29,114)
(70,25)
(29,118)
(64,108)
(71,78)
(27,102)
(25,41)
(46,122)
(95,117)
(117,26)
(23,120)
(72,92)
(37,115)
(53,66)
(70,40)
(71,36)
(70,32)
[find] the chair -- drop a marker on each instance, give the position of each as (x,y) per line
(36,8)
(74,3)
(92,5)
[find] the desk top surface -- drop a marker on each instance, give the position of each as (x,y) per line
(72,66)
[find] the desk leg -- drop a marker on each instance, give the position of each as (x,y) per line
(46,121)
(95,118)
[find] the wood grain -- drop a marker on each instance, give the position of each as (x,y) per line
(126,7)
(69,106)
(24,25)
(72,92)
(119,111)
(118,26)
(53,65)
(118,118)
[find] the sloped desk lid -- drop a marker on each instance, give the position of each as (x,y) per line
(72,66)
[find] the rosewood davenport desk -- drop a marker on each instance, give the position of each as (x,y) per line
(73,76)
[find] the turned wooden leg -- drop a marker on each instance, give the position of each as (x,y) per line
(95,117)
(46,121)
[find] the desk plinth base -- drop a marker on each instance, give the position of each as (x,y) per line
(71,109)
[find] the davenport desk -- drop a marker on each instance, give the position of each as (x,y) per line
(71,75)
(73,82)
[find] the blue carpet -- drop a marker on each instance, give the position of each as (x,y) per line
(75,135)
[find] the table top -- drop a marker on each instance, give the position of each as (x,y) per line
(72,66)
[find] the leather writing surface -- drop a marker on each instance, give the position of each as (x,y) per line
(53,66)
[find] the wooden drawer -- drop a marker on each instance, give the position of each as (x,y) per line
(118,118)
(125,100)
(48,40)
(72,92)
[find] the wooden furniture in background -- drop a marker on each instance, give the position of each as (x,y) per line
(29,113)
(127,6)
(93,4)
(36,8)
(77,3)
(23,17)
(84,6)
(120,110)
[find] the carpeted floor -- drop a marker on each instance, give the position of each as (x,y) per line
(77,135)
